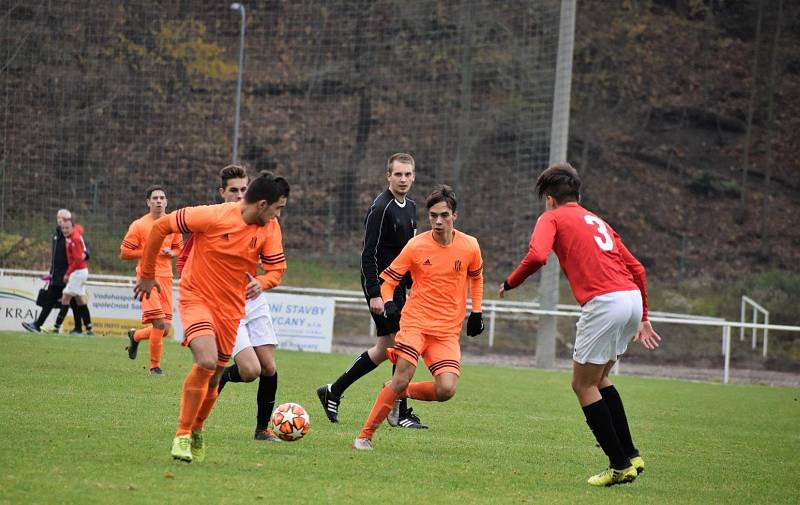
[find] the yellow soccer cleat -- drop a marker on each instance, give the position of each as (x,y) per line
(198,446)
(638,463)
(610,476)
(182,448)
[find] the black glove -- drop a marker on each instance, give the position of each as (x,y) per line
(390,311)
(475,324)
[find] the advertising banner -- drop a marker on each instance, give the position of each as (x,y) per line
(301,322)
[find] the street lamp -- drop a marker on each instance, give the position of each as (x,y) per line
(238,7)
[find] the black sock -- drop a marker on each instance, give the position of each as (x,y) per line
(360,367)
(614,402)
(267,387)
(230,374)
(76,315)
(599,420)
(86,317)
(62,313)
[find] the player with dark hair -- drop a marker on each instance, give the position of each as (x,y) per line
(156,310)
(229,240)
(442,260)
(390,223)
(254,352)
(609,283)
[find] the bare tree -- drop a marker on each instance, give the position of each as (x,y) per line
(773,64)
(742,213)
(464,144)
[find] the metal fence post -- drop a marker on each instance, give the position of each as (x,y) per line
(741,320)
(726,337)
(492,314)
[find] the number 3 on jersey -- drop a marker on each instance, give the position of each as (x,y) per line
(604,240)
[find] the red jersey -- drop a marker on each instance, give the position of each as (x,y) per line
(592,255)
(183,257)
(76,250)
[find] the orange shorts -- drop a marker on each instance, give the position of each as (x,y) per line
(441,353)
(159,305)
(198,320)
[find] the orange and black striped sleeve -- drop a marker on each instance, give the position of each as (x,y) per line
(272,257)
(393,274)
(475,274)
(131,246)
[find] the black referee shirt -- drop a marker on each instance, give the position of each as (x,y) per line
(389,226)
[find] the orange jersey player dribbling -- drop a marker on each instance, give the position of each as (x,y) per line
(229,241)
(443,263)
(157,309)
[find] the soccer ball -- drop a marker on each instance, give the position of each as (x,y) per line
(291,422)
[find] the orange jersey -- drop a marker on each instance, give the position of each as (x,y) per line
(225,249)
(135,240)
(440,273)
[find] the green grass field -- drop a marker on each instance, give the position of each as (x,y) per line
(80,423)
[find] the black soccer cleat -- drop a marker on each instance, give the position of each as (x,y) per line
(410,420)
(330,404)
(31,327)
(406,419)
(157,371)
(133,347)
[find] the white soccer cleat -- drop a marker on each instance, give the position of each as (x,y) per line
(362,444)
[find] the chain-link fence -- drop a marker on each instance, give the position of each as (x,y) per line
(101,99)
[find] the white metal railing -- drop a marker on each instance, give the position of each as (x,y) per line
(757,309)
(354,300)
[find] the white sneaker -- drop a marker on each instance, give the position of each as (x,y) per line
(362,444)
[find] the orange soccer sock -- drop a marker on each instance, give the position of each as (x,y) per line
(383,405)
(195,387)
(142,333)
(156,346)
(425,391)
(205,408)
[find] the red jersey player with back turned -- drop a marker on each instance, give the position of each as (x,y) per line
(610,285)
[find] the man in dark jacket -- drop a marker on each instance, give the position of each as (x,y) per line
(390,223)
(58,267)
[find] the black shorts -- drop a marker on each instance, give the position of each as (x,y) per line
(383,325)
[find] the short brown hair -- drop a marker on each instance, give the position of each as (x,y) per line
(402,158)
(155,187)
(442,193)
(561,181)
(231,172)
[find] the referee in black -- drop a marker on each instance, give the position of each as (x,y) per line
(390,223)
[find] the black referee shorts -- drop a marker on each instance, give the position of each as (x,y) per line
(382,324)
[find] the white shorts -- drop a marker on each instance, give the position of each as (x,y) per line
(607,323)
(254,332)
(76,285)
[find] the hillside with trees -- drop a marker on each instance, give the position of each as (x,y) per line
(683,121)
